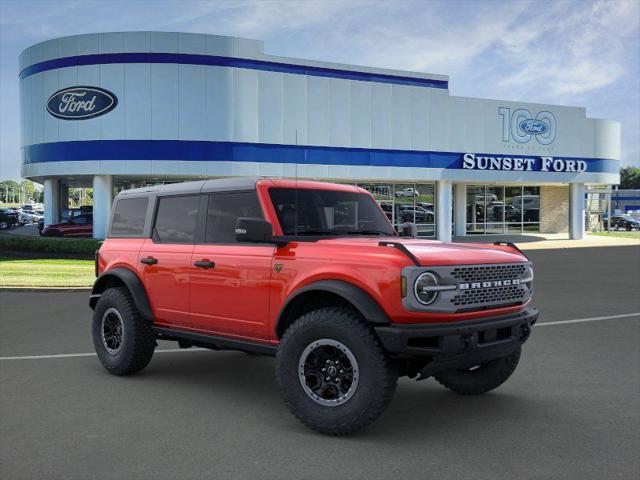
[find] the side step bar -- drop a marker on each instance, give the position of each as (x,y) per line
(213,342)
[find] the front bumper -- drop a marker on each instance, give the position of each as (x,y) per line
(461,344)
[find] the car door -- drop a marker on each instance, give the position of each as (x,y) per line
(230,281)
(164,261)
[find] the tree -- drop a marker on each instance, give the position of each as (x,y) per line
(9,191)
(630,178)
(28,190)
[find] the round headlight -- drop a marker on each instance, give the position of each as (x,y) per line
(422,288)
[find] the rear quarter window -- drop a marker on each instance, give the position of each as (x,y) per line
(128,217)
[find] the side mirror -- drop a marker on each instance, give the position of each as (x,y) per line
(253,230)
(408,229)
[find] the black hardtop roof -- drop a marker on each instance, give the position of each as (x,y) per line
(198,186)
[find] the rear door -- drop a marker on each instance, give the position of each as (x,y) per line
(230,281)
(164,260)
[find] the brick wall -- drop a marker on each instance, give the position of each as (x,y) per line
(554,209)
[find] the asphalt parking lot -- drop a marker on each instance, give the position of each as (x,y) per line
(571,410)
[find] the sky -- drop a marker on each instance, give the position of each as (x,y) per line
(579,53)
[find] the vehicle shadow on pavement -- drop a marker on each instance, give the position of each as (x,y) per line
(234,381)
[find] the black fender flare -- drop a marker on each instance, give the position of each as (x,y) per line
(361,300)
(133,284)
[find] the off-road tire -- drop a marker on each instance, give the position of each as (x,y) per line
(138,341)
(377,376)
(483,379)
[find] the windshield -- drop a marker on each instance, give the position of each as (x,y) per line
(328,212)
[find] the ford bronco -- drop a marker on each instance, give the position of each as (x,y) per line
(315,274)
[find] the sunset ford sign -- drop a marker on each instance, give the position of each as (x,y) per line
(81,103)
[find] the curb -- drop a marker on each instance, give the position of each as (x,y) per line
(45,289)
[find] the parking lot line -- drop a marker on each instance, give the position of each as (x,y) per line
(177,350)
(591,319)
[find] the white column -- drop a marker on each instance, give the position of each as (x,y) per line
(576,211)
(460,210)
(443,210)
(102,200)
(51,201)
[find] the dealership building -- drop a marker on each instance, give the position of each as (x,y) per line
(121,110)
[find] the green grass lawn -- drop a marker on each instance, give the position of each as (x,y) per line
(49,272)
(621,233)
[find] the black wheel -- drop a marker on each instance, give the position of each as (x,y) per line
(480,378)
(333,374)
(123,340)
(629,228)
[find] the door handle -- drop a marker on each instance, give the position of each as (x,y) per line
(204,264)
(149,261)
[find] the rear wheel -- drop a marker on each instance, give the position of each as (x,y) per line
(4,225)
(480,378)
(123,340)
(333,374)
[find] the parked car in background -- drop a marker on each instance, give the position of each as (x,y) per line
(409,213)
(26,217)
(9,217)
(79,226)
(624,221)
(531,215)
(407,192)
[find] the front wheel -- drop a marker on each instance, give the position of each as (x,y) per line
(333,374)
(123,340)
(480,378)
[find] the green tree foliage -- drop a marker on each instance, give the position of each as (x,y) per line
(630,178)
(9,191)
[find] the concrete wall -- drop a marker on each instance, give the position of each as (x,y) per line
(554,209)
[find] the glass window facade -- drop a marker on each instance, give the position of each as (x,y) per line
(407,202)
(500,209)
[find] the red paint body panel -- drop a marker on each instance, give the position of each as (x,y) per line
(233,297)
(243,295)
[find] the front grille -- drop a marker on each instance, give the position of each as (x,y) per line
(480,273)
(492,295)
(473,287)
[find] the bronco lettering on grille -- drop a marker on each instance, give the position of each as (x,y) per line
(494,283)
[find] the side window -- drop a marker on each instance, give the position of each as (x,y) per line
(176,219)
(225,209)
(128,217)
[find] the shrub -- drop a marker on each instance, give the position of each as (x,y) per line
(76,247)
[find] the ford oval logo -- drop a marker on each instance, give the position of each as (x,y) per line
(534,127)
(81,103)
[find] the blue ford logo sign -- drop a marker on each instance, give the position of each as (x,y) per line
(81,103)
(534,127)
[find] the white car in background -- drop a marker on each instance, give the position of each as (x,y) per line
(407,192)
(25,217)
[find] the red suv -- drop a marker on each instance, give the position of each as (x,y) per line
(314,274)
